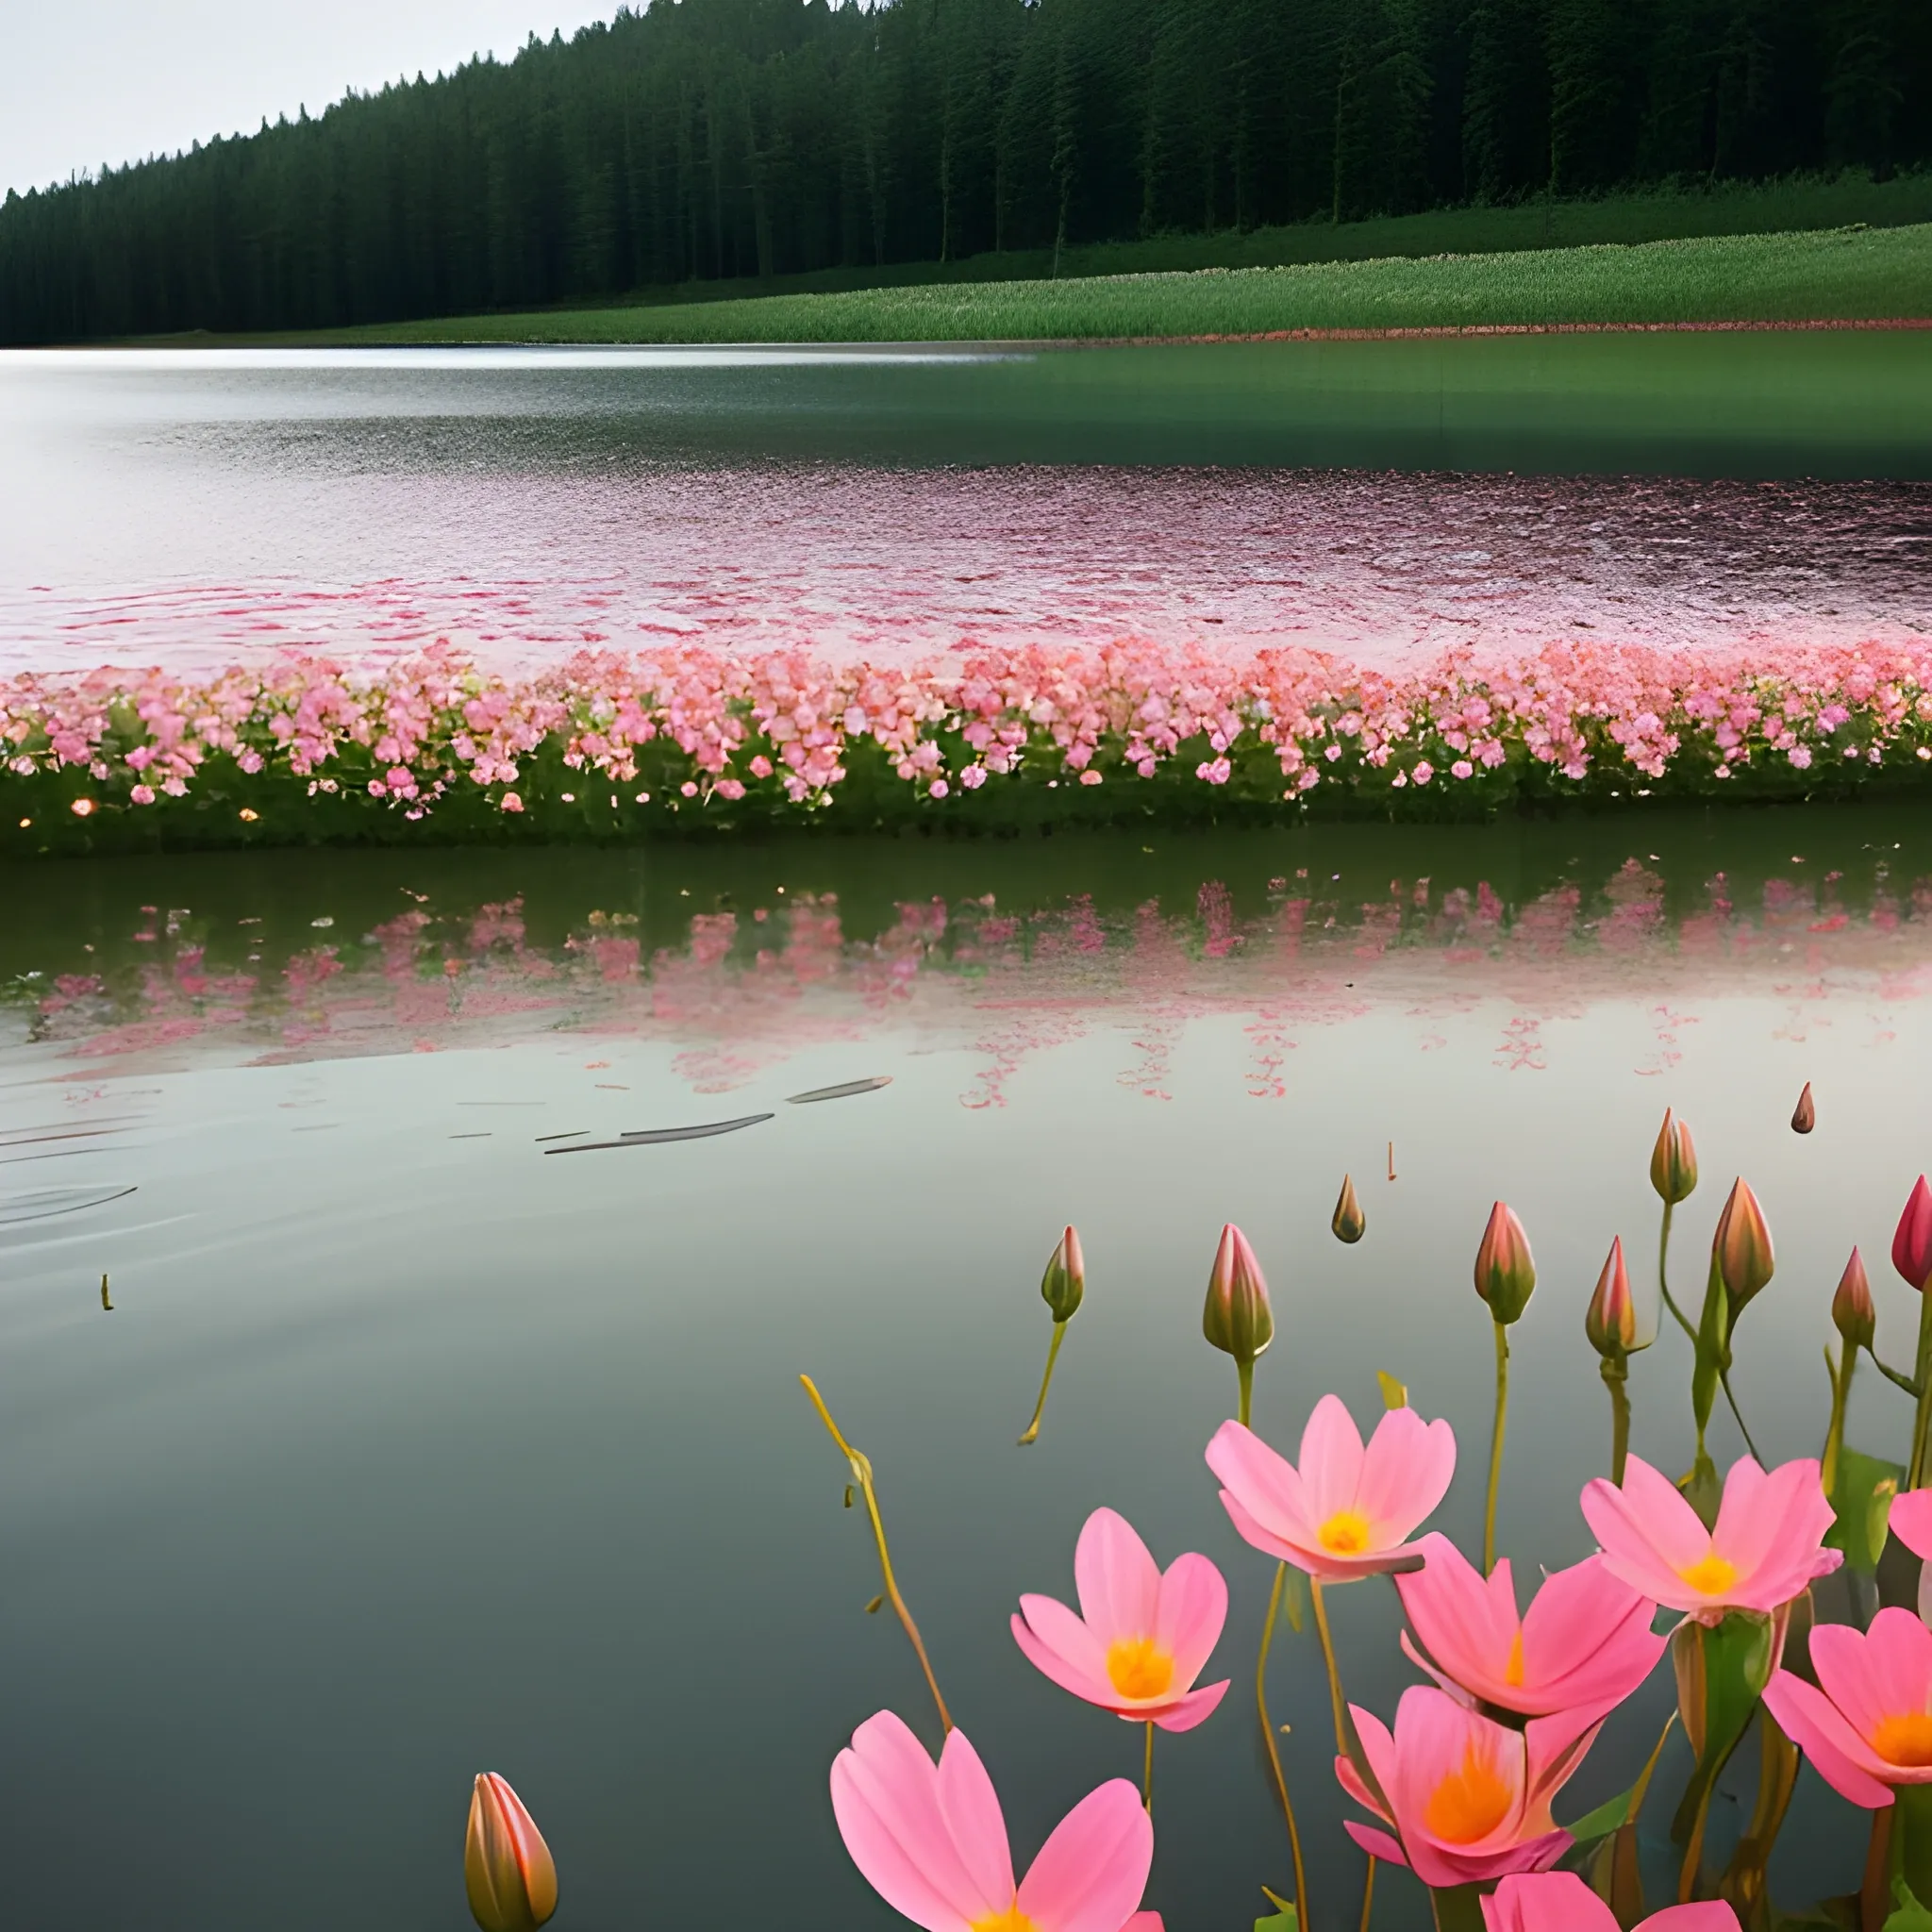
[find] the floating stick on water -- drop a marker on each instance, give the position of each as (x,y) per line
(843,1092)
(861,1475)
(106,1301)
(1392,1161)
(657,1137)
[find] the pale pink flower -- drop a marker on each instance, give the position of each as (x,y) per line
(1347,1510)
(1143,1636)
(1561,1902)
(931,1841)
(1585,1641)
(1766,1546)
(1866,1726)
(1468,1799)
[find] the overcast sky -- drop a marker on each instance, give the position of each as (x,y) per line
(115,80)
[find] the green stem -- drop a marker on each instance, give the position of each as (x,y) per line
(1663,1253)
(1294,1836)
(1246,1371)
(1616,1374)
(1147,1773)
(1368,1896)
(1502,1422)
(1059,1329)
(1894,1376)
(1458,1908)
(1915,1475)
(1338,1704)
(1724,1377)
(1909,1854)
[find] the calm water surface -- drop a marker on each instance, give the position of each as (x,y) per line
(1381,500)
(411,1449)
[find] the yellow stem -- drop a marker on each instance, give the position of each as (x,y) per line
(861,1475)
(1338,1704)
(1147,1773)
(1060,1328)
(1246,1371)
(1294,1836)
(1368,1896)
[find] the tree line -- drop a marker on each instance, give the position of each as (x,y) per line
(701,140)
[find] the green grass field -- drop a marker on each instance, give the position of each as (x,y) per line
(1853,274)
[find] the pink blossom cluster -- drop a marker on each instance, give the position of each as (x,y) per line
(786,722)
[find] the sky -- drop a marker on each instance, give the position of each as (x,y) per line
(116,80)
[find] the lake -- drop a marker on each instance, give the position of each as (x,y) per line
(425,1436)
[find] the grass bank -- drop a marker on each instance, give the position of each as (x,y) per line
(1844,274)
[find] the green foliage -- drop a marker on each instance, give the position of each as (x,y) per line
(709,140)
(1873,275)
(1861,1502)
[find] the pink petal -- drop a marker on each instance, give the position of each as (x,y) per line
(885,1796)
(1196,1708)
(1771,1525)
(1587,1640)
(1117,1580)
(1263,1538)
(1464,1624)
(1331,1459)
(1378,1844)
(1051,1660)
(1268,1487)
(1090,1874)
(972,1811)
(1887,1671)
(1712,1916)
(1648,1532)
(1911,1520)
(1190,1611)
(1555,1746)
(1814,1724)
(1547,1901)
(1143,1921)
(1405,1473)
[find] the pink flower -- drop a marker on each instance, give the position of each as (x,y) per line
(142,794)
(1561,1902)
(1912,1243)
(1767,1545)
(1911,1520)
(1141,1637)
(1469,1799)
(1347,1510)
(511,801)
(1866,1726)
(1585,1641)
(930,1840)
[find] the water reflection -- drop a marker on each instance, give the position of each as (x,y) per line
(409,1451)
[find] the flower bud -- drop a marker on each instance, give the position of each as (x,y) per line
(1065,1280)
(1740,1249)
(1804,1115)
(1672,1162)
(1911,1246)
(1237,1319)
(1852,1313)
(1611,1320)
(1349,1221)
(1505,1268)
(506,1866)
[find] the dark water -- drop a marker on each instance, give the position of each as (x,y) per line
(410,1450)
(1381,500)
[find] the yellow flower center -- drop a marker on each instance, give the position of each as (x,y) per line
(1011,1920)
(1137,1667)
(1469,1803)
(1904,1739)
(1512,1671)
(1712,1577)
(1346,1532)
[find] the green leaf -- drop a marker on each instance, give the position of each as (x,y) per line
(1862,1504)
(1720,1673)
(1910,1916)
(1295,1600)
(1604,1820)
(1394,1393)
(1286,1919)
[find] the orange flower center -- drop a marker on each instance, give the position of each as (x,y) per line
(1512,1671)
(1904,1739)
(1346,1532)
(1011,1920)
(1712,1577)
(1137,1667)
(1469,1803)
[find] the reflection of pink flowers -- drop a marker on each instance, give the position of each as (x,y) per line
(1347,1510)
(931,1841)
(1866,1726)
(1766,1546)
(1561,1902)
(1142,1637)
(1468,1798)
(1585,1641)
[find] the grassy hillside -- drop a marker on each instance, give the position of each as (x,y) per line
(1853,274)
